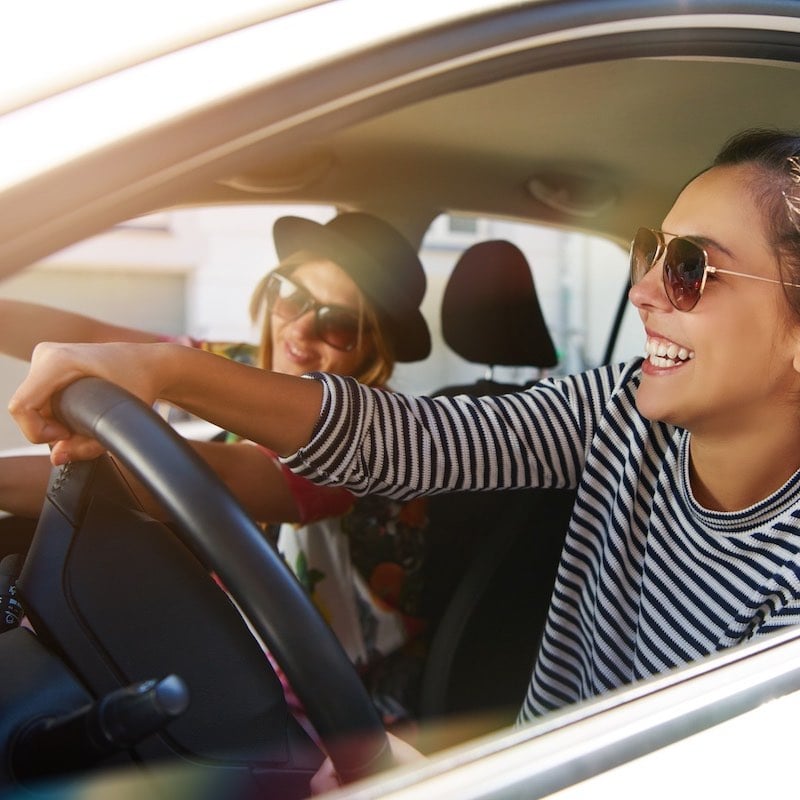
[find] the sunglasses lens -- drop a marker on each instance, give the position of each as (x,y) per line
(334,325)
(286,299)
(684,266)
(337,327)
(644,249)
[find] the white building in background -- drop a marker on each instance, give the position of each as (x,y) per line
(192,271)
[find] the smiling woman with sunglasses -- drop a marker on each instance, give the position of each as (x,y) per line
(344,299)
(685,534)
(364,284)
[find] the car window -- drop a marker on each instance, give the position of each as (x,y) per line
(191,271)
(569,268)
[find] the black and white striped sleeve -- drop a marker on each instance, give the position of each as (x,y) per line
(372,440)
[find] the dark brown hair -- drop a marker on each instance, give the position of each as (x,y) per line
(775,186)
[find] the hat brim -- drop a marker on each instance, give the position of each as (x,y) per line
(407,328)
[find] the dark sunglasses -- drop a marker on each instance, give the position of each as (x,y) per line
(685,269)
(337,326)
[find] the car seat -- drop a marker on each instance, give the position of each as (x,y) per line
(491,315)
(492,555)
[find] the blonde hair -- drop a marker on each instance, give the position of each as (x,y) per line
(379,359)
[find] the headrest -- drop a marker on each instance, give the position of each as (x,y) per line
(490,311)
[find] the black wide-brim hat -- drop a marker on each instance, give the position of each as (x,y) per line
(382,263)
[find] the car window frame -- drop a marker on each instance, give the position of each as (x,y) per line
(595,736)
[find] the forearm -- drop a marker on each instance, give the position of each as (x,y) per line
(24,325)
(254,478)
(276,410)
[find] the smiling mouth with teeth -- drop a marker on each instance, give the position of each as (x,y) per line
(666,354)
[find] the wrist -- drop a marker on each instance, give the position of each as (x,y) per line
(171,371)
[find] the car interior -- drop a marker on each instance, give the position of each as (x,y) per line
(479,557)
(586,117)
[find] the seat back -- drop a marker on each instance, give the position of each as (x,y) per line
(492,555)
(491,315)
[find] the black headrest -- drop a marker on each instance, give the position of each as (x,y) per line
(490,311)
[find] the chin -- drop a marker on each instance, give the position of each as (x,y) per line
(649,403)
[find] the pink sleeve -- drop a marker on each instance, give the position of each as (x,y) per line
(313,502)
(316,502)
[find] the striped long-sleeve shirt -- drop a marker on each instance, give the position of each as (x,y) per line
(648,578)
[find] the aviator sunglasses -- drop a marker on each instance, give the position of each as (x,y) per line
(685,268)
(335,325)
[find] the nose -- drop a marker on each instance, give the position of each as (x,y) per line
(648,292)
(304,326)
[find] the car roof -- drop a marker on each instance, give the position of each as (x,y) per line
(585,115)
(51,47)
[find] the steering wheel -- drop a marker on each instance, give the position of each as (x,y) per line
(228,542)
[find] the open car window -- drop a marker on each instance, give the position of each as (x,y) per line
(192,271)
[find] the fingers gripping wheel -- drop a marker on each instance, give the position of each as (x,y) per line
(222,537)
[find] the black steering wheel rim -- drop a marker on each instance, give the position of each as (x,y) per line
(280,612)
